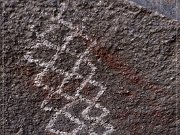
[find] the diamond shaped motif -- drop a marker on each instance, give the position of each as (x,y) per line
(95,112)
(72,92)
(71,86)
(101,128)
(91,91)
(63,123)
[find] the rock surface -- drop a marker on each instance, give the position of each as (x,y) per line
(99,67)
(169,8)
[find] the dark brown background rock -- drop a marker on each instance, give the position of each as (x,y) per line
(136,53)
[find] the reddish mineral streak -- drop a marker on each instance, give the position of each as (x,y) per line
(119,65)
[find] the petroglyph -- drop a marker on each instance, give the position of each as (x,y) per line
(72,85)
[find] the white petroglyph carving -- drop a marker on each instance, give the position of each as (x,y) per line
(77,97)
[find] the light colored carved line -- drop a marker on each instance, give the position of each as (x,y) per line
(98,118)
(76,67)
(109,128)
(102,88)
(88,78)
(74,70)
(67,115)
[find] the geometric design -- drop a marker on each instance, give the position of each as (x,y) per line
(71,86)
(89,110)
(65,124)
(71,119)
(74,98)
(90,91)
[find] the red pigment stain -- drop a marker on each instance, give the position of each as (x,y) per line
(116,63)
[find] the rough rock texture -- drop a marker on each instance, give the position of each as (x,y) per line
(133,57)
(169,8)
